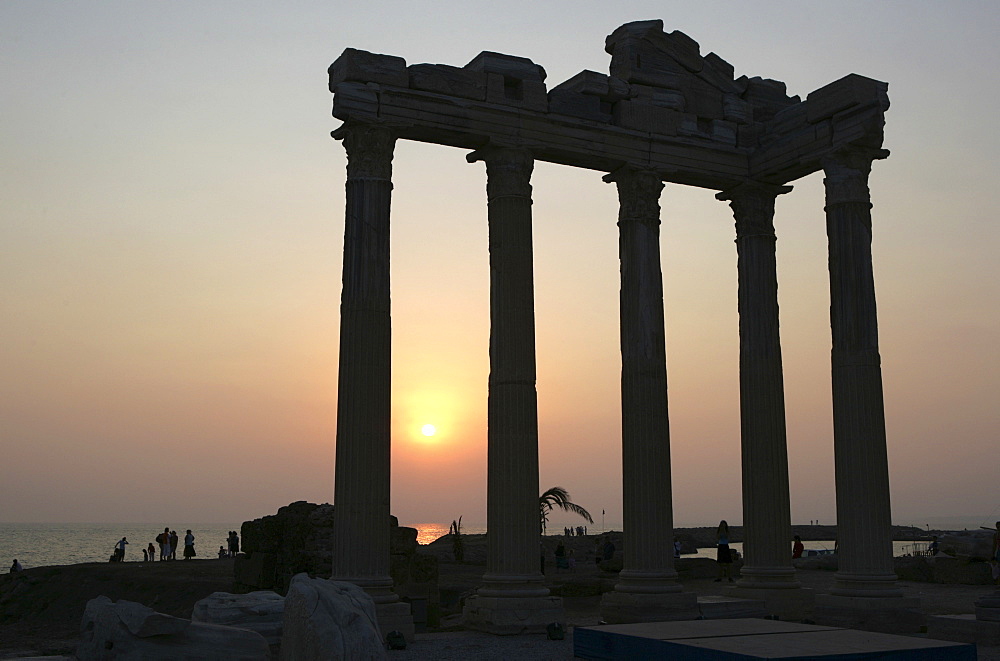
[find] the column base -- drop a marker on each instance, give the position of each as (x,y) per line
(395,617)
(507,616)
(866,585)
(769,578)
(882,614)
(392,614)
(788,604)
(625,607)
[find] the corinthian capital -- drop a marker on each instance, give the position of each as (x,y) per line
(753,207)
(638,195)
(847,173)
(508,171)
(369,151)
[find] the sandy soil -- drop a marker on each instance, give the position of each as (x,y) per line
(40,611)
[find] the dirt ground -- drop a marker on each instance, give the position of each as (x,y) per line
(41,609)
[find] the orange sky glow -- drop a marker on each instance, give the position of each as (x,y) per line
(170,254)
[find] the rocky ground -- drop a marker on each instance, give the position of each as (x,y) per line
(41,609)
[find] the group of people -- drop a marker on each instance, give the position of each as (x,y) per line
(166,540)
(579,531)
(233,544)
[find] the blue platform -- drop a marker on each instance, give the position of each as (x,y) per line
(755,639)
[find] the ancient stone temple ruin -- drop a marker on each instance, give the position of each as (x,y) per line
(664,113)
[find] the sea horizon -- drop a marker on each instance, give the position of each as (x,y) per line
(51,543)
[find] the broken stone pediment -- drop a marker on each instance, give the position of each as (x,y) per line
(662,104)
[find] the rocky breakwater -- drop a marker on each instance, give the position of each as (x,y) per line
(299,539)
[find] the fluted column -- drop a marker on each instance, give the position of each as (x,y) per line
(361,485)
(513,597)
(862,473)
(647,586)
(766,507)
(512,485)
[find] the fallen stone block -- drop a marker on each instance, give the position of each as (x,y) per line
(260,611)
(128,631)
(329,620)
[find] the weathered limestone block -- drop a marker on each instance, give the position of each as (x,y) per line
(672,99)
(641,50)
(642,116)
(364,67)
(129,631)
(767,97)
(584,106)
(736,110)
(589,95)
(327,620)
(510,91)
(507,65)
(444,79)
(260,611)
(512,81)
(851,90)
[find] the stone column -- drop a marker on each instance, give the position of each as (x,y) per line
(862,471)
(766,508)
(361,486)
(865,581)
(647,588)
(513,598)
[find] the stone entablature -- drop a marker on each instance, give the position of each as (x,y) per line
(664,107)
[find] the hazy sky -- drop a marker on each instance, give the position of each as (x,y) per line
(171,233)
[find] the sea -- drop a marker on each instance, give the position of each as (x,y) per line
(43,544)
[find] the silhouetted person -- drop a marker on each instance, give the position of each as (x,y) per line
(163,539)
(151,551)
(723,556)
(173,544)
(797,547)
(16,567)
(188,545)
(120,549)
(608,550)
(933,548)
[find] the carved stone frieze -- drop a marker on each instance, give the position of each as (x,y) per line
(369,151)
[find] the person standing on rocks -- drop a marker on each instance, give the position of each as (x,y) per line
(151,551)
(173,544)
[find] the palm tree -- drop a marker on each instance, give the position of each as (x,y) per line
(558,497)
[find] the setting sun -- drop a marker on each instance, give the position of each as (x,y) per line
(428,430)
